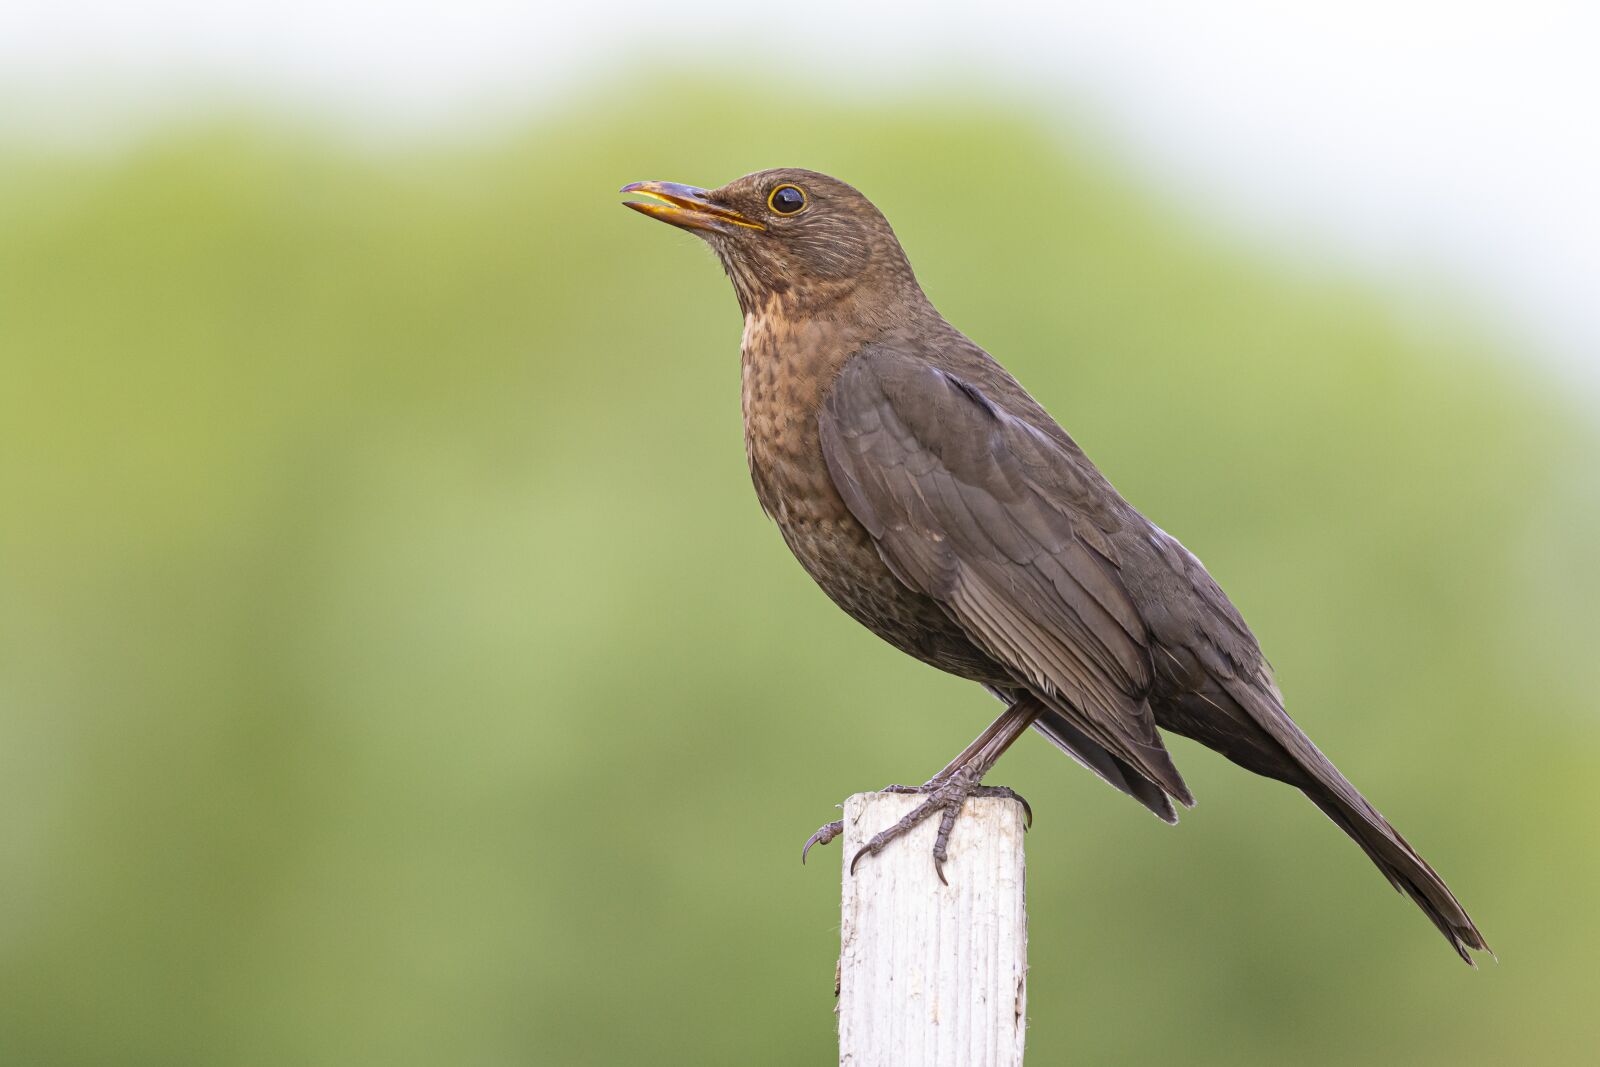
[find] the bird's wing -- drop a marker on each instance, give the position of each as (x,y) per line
(991,518)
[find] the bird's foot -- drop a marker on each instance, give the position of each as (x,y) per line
(945,795)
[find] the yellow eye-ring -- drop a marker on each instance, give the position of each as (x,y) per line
(787,200)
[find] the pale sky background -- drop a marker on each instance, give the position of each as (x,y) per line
(1455,142)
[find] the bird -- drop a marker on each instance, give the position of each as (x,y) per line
(937,502)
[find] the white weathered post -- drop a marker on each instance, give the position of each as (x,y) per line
(933,975)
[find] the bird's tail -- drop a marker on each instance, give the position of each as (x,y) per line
(1281,750)
(1399,862)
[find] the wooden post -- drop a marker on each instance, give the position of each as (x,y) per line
(933,975)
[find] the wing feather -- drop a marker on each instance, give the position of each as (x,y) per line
(976,509)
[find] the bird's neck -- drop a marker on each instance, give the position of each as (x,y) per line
(796,348)
(789,357)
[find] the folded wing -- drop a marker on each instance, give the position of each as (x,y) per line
(993,520)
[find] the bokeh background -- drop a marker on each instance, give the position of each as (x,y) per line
(395,667)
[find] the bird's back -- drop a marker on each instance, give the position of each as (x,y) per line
(1198,639)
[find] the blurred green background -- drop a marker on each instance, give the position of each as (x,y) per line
(395,667)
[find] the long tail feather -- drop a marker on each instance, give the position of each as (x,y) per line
(1406,871)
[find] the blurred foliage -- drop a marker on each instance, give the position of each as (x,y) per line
(395,667)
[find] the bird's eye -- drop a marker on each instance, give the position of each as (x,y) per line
(787,200)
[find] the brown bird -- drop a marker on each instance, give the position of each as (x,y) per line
(941,506)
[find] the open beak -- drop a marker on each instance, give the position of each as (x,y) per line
(686,207)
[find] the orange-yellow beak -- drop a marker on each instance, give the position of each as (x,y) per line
(686,207)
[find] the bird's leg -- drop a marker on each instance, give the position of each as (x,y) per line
(828,831)
(949,789)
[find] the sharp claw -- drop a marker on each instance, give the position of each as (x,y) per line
(823,835)
(938,868)
(1027,814)
(857,860)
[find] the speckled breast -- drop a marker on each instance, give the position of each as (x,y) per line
(788,367)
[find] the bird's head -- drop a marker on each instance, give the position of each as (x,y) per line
(788,234)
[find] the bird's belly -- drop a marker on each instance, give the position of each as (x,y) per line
(840,556)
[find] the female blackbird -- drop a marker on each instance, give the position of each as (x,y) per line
(941,506)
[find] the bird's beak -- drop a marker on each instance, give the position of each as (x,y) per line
(686,207)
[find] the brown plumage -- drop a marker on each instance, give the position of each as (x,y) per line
(941,506)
